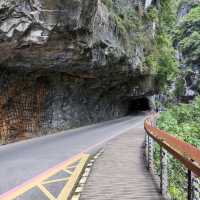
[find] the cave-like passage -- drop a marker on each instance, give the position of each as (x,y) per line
(136,105)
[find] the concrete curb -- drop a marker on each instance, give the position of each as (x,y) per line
(83,179)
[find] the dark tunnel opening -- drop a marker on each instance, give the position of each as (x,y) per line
(138,105)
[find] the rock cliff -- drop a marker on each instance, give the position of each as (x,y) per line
(186,41)
(68,63)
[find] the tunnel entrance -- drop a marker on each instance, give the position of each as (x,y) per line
(137,105)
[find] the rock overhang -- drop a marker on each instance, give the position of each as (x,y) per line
(64,36)
(65,64)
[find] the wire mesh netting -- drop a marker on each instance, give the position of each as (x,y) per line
(177,177)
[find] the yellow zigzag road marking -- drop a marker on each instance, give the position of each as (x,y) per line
(42,180)
(55,181)
(65,193)
(46,192)
(68,171)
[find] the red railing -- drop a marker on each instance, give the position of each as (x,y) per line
(187,154)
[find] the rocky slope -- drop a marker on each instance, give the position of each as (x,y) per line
(69,63)
(186,41)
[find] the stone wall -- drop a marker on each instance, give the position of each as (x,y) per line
(33,104)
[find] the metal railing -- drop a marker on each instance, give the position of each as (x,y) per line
(186,154)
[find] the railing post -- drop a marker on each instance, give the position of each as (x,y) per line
(163,171)
(146,149)
(189,176)
(150,153)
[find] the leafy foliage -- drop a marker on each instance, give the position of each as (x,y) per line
(187,36)
(168,15)
(162,57)
(133,26)
(108,3)
(182,121)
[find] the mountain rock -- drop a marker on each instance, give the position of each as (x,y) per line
(65,64)
(187,43)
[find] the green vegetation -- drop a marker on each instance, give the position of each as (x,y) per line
(180,87)
(126,19)
(152,14)
(162,57)
(108,3)
(131,28)
(162,61)
(132,25)
(187,36)
(182,121)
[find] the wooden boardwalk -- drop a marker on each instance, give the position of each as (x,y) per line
(120,172)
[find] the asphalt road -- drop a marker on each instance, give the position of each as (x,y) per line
(22,161)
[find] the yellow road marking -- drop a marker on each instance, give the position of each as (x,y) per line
(39,181)
(54,181)
(66,192)
(46,192)
(68,171)
(71,167)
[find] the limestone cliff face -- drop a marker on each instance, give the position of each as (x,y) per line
(186,40)
(68,63)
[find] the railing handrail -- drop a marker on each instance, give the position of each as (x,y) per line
(187,154)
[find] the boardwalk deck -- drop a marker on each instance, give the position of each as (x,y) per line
(120,172)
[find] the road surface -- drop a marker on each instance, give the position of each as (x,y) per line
(24,160)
